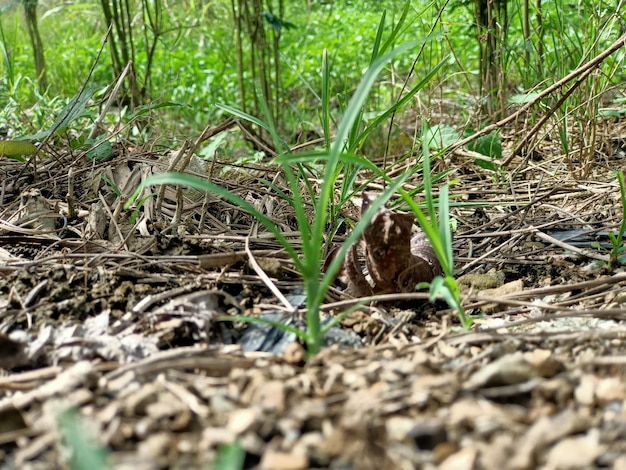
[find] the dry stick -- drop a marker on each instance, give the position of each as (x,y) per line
(546,116)
(499,247)
(10,381)
(258,141)
(176,158)
(188,154)
(596,61)
(113,220)
(406,81)
(266,279)
(208,171)
(9,227)
(97,125)
(70,194)
(109,103)
(187,151)
(210,131)
(560,288)
(150,300)
(207,358)
(567,246)
(509,299)
(207,133)
(480,229)
(615,313)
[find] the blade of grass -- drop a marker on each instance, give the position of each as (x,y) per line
(325,116)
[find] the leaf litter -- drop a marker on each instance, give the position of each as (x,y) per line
(120,319)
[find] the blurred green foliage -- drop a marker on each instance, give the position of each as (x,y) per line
(195,59)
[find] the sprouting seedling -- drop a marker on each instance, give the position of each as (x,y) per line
(437,229)
(618,250)
(309,260)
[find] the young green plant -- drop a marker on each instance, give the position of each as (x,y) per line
(310,261)
(618,251)
(230,457)
(84,452)
(438,231)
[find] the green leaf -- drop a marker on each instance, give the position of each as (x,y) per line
(13,149)
(276,22)
(103,151)
(72,111)
(230,457)
(445,233)
(436,288)
(243,115)
(487,165)
(85,453)
(209,151)
(523,98)
(440,136)
(611,113)
(489,145)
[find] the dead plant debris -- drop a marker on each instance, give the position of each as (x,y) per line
(120,319)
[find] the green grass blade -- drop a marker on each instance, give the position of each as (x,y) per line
(243,115)
(379,37)
(230,457)
(428,189)
(399,104)
(325,117)
(350,116)
(312,157)
(397,28)
(309,250)
(266,321)
(431,232)
(445,233)
(279,143)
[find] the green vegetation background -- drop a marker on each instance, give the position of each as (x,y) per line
(195,59)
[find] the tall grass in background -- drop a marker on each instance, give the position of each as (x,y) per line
(194,64)
(558,38)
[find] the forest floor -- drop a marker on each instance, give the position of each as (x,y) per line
(121,324)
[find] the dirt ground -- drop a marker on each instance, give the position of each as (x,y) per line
(120,322)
